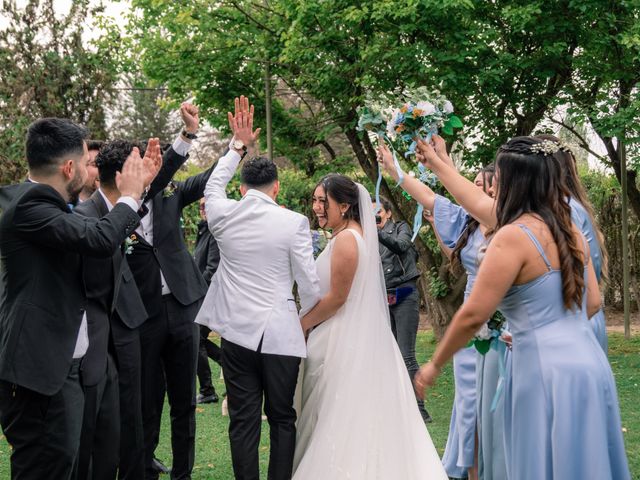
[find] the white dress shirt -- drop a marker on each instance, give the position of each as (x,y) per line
(145,229)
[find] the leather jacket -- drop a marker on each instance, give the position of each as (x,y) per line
(397,253)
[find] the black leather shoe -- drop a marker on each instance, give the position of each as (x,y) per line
(213,398)
(160,467)
(425,416)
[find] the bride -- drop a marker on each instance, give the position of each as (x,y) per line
(358,418)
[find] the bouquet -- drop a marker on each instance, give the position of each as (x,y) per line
(492,331)
(419,113)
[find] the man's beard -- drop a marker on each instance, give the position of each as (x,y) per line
(74,187)
(89,188)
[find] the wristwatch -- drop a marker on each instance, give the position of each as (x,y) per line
(239,145)
(190,136)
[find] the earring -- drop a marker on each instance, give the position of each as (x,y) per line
(343,214)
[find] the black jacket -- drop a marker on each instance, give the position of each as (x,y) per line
(114,302)
(169,252)
(206,253)
(397,253)
(42,245)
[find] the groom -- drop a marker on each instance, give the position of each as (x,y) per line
(263,250)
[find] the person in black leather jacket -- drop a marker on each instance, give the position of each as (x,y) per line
(399,258)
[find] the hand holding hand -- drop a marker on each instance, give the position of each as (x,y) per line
(241,122)
(130,181)
(152,160)
(426,377)
(190,117)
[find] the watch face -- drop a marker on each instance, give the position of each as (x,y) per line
(238,144)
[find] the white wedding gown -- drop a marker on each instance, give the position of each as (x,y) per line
(358,418)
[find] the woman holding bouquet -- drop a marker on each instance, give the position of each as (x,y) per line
(460,237)
(561,407)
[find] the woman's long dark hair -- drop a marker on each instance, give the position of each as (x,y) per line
(455,264)
(532,182)
(572,181)
(343,190)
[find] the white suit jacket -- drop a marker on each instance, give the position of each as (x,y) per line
(263,249)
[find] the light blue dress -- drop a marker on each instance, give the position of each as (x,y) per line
(562,419)
(581,218)
(450,221)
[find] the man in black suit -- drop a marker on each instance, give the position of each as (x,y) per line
(116,313)
(172,289)
(207,257)
(43,333)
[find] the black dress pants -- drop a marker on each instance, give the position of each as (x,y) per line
(100,438)
(169,346)
(44,431)
(249,377)
(126,347)
(208,350)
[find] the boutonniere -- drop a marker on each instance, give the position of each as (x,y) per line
(169,190)
(129,242)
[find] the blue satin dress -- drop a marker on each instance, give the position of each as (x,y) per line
(450,221)
(581,218)
(562,419)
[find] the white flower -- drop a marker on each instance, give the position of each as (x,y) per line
(391,124)
(447,107)
(484,333)
(427,108)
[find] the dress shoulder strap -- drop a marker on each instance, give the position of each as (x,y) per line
(535,241)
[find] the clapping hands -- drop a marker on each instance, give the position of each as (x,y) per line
(131,180)
(152,160)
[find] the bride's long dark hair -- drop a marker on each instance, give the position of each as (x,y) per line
(531,182)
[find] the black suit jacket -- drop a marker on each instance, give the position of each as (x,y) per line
(115,304)
(41,249)
(169,252)
(207,252)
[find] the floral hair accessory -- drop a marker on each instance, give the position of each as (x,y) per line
(548,147)
(545,147)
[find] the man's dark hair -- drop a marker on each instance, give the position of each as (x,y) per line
(110,159)
(51,140)
(94,144)
(258,172)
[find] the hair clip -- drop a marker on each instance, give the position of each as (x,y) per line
(545,147)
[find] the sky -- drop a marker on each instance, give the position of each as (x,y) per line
(114,9)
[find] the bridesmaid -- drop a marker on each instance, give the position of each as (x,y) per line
(583,216)
(460,236)
(561,406)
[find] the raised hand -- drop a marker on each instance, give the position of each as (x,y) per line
(385,158)
(241,122)
(190,117)
(426,154)
(130,181)
(152,160)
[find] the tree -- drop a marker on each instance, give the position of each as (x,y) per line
(501,63)
(49,71)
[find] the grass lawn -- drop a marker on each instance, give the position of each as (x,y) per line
(213,458)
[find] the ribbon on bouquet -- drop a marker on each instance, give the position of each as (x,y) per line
(500,347)
(398,170)
(417,219)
